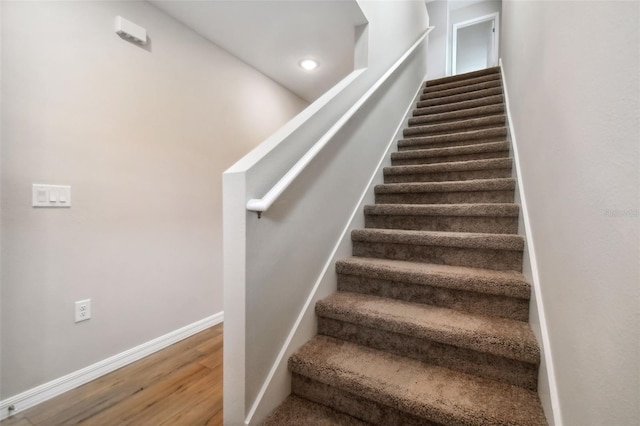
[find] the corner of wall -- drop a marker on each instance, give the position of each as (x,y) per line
(53,388)
(447,65)
(547,388)
(1,204)
(234,267)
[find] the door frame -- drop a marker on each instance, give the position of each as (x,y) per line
(495,17)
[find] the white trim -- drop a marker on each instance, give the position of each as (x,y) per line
(330,261)
(495,17)
(77,378)
(262,204)
(234,279)
(447,65)
(535,277)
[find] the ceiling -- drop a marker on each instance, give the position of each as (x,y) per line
(274,35)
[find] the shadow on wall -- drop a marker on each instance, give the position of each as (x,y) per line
(275,36)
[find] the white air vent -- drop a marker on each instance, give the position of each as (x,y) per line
(130,31)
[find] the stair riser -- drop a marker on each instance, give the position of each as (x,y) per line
(454,127)
(464,114)
(408,146)
(468,301)
(467,88)
(449,107)
(461,97)
(468,361)
(487,225)
(447,159)
(447,197)
(354,405)
(469,138)
(502,260)
(435,88)
(448,176)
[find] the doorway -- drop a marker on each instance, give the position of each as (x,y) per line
(475,44)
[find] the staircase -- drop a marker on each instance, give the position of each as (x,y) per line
(429,325)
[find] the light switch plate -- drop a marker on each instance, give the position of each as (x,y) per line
(51,195)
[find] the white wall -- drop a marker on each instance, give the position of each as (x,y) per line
(142,135)
(573,75)
(277,265)
(437,57)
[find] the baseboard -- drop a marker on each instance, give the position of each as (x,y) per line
(63,384)
(535,278)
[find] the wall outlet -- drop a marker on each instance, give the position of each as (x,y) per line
(83,310)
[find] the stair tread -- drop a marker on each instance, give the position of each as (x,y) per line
(491,163)
(497,336)
(473,185)
(296,411)
(456,115)
(493,132)
(478,94)
(479,209)
(501,283)
(474,240)
(435,393)
(452,126)
(474,80)
(451,151)
(463,88)
(460,105)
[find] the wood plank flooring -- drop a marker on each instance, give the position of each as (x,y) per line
(180,385)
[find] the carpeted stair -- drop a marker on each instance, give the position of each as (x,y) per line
(430,322)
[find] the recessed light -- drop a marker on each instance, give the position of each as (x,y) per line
(309,64)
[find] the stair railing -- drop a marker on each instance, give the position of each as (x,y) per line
(260,205)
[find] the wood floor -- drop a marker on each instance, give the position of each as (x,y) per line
(178,386)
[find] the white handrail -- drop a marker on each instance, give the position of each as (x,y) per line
(260,205)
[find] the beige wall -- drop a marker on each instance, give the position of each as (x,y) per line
(573,75)
(142,135)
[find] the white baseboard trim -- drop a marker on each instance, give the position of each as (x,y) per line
(535,277)
(77,378)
